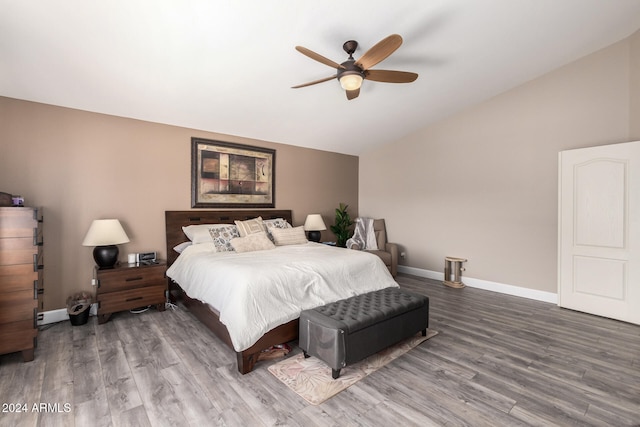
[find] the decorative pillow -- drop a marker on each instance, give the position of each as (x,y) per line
(252,242)
(222,236)
(275,223)
(200,233)
(250,226)
(289,236)
(182,246)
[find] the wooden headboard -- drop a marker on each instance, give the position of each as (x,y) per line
(175,220)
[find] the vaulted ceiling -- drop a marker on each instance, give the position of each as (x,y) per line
(228,66)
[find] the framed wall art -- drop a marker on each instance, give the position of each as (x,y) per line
(225,174)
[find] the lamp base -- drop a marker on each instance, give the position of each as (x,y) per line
(106,256)
(313,236)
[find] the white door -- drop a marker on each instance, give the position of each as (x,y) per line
(599,231)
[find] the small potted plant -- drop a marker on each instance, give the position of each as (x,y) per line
(342,226)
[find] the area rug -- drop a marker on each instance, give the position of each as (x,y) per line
(311,379)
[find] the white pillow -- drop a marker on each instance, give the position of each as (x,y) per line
(289,236)
(182,246)
(270,224)
(253,242)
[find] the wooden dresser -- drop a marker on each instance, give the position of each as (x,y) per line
(21,263)
(129,286)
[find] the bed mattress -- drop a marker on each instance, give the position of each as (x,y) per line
(256,291)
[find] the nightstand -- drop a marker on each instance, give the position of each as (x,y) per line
(129,286)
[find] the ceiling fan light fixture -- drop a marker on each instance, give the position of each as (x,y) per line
(351,81)
(351,73)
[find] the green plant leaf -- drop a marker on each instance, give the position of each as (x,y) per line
(341,226)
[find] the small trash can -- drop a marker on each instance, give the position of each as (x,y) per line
(78,308)
(79,314)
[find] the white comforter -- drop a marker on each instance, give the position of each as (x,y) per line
(256,291)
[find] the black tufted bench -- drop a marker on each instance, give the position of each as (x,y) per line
(349,330)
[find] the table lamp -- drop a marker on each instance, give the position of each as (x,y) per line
(105,234)
(313,225)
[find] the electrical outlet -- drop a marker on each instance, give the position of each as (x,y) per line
(94,282)
(403,255)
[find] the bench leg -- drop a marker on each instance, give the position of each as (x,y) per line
(335,373)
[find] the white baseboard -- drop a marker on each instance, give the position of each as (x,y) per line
(486,285)
(54,316)
(60,315)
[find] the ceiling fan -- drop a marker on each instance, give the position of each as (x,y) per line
(351,73)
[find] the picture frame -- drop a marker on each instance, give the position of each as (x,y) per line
(228,175)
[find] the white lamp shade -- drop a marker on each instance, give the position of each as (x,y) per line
(314,222)
(105,232)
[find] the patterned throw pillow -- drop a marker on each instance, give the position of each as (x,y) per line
(250,226)
(200,233)
(222,236)
(252,242)
(289,236)
(276,223)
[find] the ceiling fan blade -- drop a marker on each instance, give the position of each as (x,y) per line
(379,51)
(315,56)
(326,79)
(388,76)
(353,94)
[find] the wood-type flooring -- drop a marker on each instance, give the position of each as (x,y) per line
(498,361)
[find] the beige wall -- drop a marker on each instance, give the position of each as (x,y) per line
(634,88)
(81,166)
(483,184)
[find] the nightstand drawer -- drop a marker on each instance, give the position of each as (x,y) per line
(129,286)
(128,278)
(126,300)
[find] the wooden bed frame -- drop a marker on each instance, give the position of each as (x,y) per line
(174,221)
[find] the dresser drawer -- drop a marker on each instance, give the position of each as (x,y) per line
(126,300)
(17,251)
(17,336)
(128,278)
(17,306)
(19,277)
(18,222)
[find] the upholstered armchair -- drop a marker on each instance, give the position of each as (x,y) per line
(388,252)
